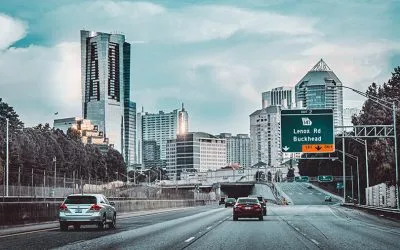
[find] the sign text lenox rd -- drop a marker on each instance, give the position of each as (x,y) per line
(307,131)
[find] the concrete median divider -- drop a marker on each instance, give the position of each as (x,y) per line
(16,213)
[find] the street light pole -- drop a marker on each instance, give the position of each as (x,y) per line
(385,104)
(352,184)
(7,152)
(344,170)
(7,156)
(366,161)
(55,171)
(395,154)
(358,183)
(358,173)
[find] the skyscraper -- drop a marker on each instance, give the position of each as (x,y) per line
(159,128)
(237,149)
(194,151)
(278,96)
(105,77)
(319,89)
(265,136)
(348,115)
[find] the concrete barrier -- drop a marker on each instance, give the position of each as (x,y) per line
(14,213)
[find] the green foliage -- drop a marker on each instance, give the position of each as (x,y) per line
(35,148)
(290,173)
(73,134)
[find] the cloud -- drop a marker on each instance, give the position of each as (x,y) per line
(157,24)
(11,30)
(39,81)
(218,59)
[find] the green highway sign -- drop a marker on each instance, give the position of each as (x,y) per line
(339,185)
(307,131)
(301,179)
(325,178)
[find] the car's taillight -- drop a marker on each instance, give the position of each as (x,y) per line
(256,206)
(63,207)
(95,207)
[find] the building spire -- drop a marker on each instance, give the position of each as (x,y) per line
(321,66)
(183,107)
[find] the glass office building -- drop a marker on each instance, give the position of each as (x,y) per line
(278,96)
(105,77)
(319,89)
(194,152)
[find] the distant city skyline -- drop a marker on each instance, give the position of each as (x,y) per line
(217,68)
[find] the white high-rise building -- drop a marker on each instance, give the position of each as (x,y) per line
(348,114)
(237,149)
(321,88)
(195,151)
(265,136)
(278,96)
(156,130)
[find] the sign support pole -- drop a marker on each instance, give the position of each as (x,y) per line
(344,170)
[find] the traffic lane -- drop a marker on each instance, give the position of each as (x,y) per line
(51,238)
(300,227)
(172,234)
(263,190)
(301,194)
(246,233)
(333,227)
(32,227)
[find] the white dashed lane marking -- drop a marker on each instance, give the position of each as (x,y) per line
(189,240)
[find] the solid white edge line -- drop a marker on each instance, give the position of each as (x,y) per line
(208,228)
(189,240)
(296,228)
(29,232)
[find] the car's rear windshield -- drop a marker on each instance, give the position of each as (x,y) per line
(80,200)
(230,199)
(247,201)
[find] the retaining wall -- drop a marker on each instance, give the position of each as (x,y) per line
(14,213)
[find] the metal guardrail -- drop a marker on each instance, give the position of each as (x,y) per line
(380,209)
(386,212)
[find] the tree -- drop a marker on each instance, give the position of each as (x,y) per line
(290,173)
(73,134)
(381,150)
(115,162)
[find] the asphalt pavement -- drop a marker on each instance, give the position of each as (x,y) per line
(304,194)
(212,227)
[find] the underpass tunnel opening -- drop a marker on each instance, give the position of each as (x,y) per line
(236,191)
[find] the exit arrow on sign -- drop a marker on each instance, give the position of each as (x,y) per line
(320,148)
(286,148)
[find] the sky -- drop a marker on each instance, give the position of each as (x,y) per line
(217,57)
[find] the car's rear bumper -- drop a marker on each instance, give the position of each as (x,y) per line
(254,214)
(94,219)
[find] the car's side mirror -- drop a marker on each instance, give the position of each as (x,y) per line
(112,203)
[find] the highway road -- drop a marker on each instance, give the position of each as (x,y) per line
(212,227)
(301,194)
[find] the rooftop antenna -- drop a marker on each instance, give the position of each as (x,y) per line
(321,66)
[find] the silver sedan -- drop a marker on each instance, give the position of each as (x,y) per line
(87,209)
